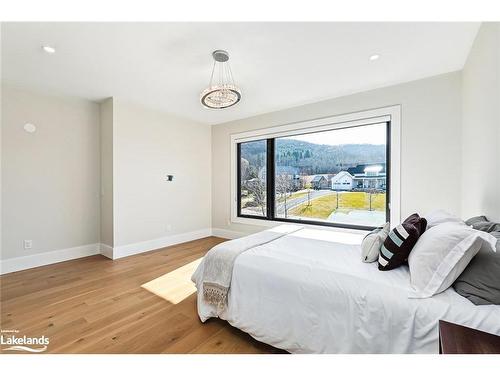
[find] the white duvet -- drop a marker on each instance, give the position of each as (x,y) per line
(309,292)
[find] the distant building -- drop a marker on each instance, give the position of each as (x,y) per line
(307,181)
(369,176)
(342,181)
(361,177)
(291,173)
(319,182)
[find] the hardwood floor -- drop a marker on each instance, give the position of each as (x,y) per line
(140,304)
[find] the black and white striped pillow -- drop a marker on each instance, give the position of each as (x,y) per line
(398,244)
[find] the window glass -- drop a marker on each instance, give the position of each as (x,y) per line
(253,188)
(336,176)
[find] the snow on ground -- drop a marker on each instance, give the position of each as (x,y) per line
(358,217)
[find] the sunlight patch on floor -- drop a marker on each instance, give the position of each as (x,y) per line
(174,286)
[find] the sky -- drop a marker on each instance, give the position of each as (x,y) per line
(370,134)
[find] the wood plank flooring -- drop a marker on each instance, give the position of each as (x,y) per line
(140,304)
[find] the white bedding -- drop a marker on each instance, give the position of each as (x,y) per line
(309,292)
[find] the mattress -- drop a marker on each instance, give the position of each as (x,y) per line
(309,292)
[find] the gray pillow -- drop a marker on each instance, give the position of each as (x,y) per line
(480,281)
(483,224)
(370,247)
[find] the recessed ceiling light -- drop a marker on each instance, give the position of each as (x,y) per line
(49,49)
(374,57)
(30,128)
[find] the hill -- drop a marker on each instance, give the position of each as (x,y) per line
(311,158)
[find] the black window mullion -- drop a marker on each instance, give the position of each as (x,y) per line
(238,176)
(388,203)
(270,178)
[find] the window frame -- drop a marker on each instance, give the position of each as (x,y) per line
(269,182)
(390,115)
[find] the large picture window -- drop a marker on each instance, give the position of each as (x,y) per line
(337,177)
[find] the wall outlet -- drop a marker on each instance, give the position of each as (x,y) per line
(169,227)
(27,244)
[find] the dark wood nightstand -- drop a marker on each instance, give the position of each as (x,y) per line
(457,339)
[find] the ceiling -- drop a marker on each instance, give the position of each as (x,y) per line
(277,65)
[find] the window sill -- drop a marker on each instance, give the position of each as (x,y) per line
(273,223)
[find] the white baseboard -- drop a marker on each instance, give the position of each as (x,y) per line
(106,250)
(51,257)
(56,256)
(229,234)
(158,243)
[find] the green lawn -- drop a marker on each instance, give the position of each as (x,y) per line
(322,207)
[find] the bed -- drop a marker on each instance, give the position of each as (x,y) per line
(309,292)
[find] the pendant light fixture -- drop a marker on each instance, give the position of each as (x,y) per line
(221,91)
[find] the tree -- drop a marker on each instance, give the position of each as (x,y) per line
(370,192)
(257,188)
(283,186)
(244,169)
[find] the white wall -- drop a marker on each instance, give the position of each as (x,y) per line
(106,141)
(430,142)
(50,178)
(148,145)
(89,164)
(481,126)
(95,174)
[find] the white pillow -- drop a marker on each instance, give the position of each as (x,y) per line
(370,247)
(437,217)
(441,254)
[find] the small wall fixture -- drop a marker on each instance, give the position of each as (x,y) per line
(170,177)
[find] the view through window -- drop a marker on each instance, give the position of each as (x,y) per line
(253,187)
(334,177)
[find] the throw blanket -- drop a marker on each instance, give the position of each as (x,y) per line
(219,261)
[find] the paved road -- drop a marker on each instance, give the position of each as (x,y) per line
(355,216)
(294,202)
